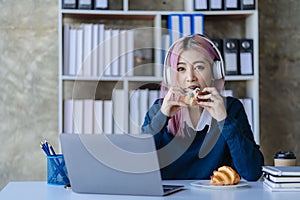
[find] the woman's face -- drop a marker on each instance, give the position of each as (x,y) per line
(194,70)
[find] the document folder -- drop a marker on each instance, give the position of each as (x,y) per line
(68,4)
(246,56)
(232,4)
(85,4)
(216,5)
(201,4)
(230,50)
(247,4)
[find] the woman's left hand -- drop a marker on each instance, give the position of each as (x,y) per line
(213,103)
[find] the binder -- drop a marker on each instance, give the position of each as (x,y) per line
(201,4)
(85,4)
(248,4)
(185,25)
(98,116)
(246,56)
(79,53)
(100,4)
(230,50)
(198,23)
(216,5)
(88,108)
(232,4)
(174,27)
(219,44)
(68,4)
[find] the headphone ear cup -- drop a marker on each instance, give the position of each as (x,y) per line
(217,70)
(167,75)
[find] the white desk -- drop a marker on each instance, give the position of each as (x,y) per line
(41,191)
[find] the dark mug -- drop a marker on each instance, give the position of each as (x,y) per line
(284,158)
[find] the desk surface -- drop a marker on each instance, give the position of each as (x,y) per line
(40,191)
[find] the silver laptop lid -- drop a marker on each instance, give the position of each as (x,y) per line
(112,163)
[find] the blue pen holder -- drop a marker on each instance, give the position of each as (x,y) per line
(56,170)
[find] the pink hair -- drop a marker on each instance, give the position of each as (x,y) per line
(196,42)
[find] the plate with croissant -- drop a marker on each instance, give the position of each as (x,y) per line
(223,178)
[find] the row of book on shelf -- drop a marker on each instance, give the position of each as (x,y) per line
(224,4)
(282,178)
(90,50)
(85,4)
(109,116)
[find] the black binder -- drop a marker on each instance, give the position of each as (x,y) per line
(85,4)
(219,44)
(68,4)
(216,5)
(248,4)
(246,56)
(231,52)
(201,4)
(100,4)
(232,4)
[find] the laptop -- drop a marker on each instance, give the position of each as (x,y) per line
(114,164)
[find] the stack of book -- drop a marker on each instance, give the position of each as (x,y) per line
(282,178)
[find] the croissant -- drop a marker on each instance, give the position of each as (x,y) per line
(225,176)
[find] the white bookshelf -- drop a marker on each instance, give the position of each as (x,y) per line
(156,17)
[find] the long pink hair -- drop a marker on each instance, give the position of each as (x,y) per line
(196,42)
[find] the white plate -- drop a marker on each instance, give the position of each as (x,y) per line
(206,184)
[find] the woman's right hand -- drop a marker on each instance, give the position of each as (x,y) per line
(170,106)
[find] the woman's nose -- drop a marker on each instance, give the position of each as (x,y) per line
(191,75)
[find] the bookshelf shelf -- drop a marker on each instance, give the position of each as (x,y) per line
(123,18)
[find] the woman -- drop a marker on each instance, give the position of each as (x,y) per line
(193,141)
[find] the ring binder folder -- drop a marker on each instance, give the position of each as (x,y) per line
(246,56)
(232,4)
(219,44)
(216,5)
(100,4)
(69,4)
(201,4)
(230,50)
(85,4)
(247,4)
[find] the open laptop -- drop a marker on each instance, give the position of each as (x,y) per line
(113,164)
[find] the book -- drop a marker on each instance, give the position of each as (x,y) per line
(276,189)
(79,52)
(68,116)
(101,49)
(115,49)
(134,112)
(66,49)
(282,185)
(87,50)
(118,111)
(107,117)
(72,53)
(282,179)
(94,53)
(98,116)
(78,116)
(88,108)
(107,52)
(282,170)
(130,52)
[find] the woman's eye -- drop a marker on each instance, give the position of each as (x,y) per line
(199,67)
(179,69)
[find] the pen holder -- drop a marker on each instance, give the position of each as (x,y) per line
(56,170)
